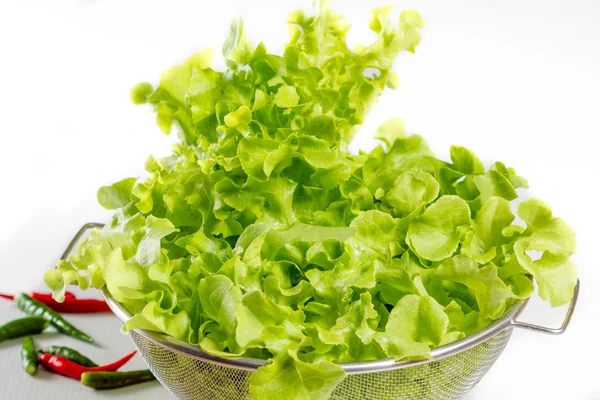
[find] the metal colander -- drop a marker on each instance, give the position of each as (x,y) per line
(190,378)
(189,373)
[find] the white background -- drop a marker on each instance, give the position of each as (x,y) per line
(517,81)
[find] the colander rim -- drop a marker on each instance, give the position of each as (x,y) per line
(357,367)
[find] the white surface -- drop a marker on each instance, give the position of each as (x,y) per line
(514,81)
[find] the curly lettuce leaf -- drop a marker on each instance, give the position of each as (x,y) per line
(256,312)
(411,191)
(436,234)
(415,324)
(289,377)
(487,234)
(490,292)
(261,235)
(554,271)
(380,232)
(218,299)
(117,195)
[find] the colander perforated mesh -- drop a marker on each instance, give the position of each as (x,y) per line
(450,378)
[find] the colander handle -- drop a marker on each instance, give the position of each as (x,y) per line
(552,331)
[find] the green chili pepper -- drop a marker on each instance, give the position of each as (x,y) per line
(114,380)
(35,308)
(70,354)
(22,327)
(29,357)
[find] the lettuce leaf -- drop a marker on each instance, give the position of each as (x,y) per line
(289,377)
(554,271)
(261,235)
(436,234)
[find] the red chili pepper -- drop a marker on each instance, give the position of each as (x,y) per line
(68,368)
(71,304)
(38,296)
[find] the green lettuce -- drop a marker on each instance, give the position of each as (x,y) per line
(263,236)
